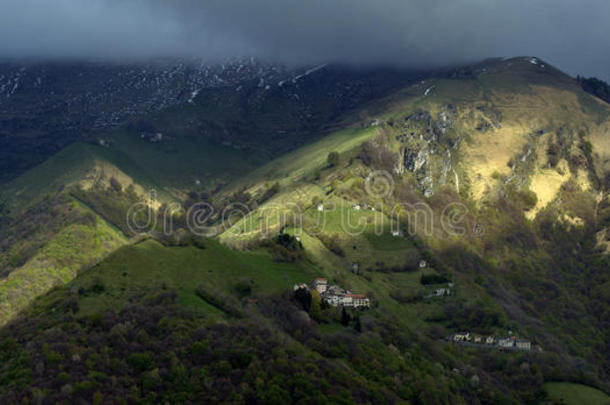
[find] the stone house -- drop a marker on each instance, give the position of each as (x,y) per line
(320,285)
(357,300)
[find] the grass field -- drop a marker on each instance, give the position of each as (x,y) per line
(79,163)
(187,162)
(137,268)
(67,166)
(576,394)
(171,168)
(297,164)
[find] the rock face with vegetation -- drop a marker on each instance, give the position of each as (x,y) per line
(488,183)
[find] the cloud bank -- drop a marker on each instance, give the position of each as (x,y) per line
(568,33)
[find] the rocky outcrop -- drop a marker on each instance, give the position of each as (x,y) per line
(427,144)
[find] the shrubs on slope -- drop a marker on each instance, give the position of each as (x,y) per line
(595,86)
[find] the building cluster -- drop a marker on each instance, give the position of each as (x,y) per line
(336,296)
(510,342)
(152,137)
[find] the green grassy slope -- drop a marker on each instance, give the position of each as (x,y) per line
(297,165)
(77,165)
(171,168)
(576,394)
(505,121)
(183,162)
(58,261)
(147,265)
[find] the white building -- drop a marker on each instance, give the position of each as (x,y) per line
(320,285)
(360,301)
(524,344)
(336,296)
(462,337)
(334,300)
(506,343)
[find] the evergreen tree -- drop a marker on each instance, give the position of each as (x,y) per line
(345,317)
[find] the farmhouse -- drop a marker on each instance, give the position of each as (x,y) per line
(150,137)
(506,343)
(357,300)
(439,292)
(462,337)
(523,344)
(320,285)
(510,342)
(334,295)
(333,300)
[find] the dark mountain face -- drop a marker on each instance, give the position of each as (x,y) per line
(44,107)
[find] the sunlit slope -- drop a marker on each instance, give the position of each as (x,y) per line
(86,240)
(506,124)
(78,165)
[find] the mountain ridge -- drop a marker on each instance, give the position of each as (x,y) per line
(511,158)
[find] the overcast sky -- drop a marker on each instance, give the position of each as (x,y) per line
(572,34)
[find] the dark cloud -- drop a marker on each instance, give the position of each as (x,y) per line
(569,33)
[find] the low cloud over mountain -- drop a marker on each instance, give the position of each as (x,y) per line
(568,33)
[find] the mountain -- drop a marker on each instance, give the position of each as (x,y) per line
(44,107)
(472,199)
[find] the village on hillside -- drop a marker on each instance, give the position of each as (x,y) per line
(505,343)
(334,295)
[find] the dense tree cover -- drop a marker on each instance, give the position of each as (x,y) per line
(154,351)
(4,211)
(285,248)
(596,87)
(333,159)
(269,192)
(111,203)
(20,238)
(271,351)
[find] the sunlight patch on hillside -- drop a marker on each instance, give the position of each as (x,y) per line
(489,154)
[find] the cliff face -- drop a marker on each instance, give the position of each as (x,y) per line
(514,124)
